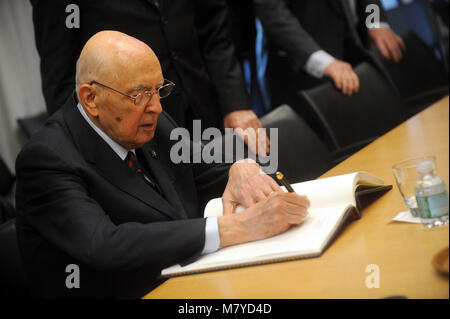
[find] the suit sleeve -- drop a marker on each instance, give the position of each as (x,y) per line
(219,55)
(53,199)
(58,47)
(285,30)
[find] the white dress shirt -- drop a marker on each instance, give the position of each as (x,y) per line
(212,237)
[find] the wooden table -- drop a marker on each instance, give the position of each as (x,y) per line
(402,252)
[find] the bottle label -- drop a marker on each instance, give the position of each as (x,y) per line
(433,206)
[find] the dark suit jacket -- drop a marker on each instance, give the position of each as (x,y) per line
(298,28)
(302,27)
(241,25)
(78,203)
(188,36)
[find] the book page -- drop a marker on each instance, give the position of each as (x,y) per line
(331,199)
(307,239)
(325,192)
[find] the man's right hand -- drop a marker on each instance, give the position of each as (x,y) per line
(270,217)
(343,77)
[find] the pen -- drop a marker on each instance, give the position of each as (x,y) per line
(284,182)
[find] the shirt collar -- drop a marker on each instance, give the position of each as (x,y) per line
(117,148)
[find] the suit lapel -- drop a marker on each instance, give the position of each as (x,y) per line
(164,177)
(109,164)
(154,3)
(342,7)
(346,10)
(115,170)
(160,5)
(337,6)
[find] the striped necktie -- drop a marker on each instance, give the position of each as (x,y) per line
(134,165)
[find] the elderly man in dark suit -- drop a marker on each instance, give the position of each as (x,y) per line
(326,38)
(189,37)
(97,190)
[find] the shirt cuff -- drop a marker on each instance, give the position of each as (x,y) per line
(212,237)
(318,62)
(381,25)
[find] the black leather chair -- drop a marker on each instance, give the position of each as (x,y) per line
(12,276)
(32,124)
(349,123)
(420,77)
(301,154)
(6,178)
(296,150)
(420,17)
(7,210)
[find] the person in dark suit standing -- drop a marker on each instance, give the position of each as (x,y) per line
(324,39)
(189,37)
(98,191)
(243,31)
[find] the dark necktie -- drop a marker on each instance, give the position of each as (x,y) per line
(134,165)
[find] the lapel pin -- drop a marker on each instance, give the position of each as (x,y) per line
(154,154)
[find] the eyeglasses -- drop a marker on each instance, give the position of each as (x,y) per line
(143,98)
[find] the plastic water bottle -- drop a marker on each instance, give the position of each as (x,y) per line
(431,195)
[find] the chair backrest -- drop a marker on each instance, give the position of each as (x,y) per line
(418,16)
(351,122)
(7,210)
(32,124)
(6,178)
(301,154)
(420,77)
(12,275)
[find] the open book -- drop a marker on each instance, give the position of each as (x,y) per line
(334,200)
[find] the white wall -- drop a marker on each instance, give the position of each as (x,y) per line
(20,82)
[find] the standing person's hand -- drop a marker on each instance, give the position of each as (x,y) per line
(247,119)
(343,76)
(390,45)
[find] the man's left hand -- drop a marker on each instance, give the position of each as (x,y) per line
(247,119)
(390,45)
(247,185)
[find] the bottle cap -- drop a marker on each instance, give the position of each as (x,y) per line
(425,167)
